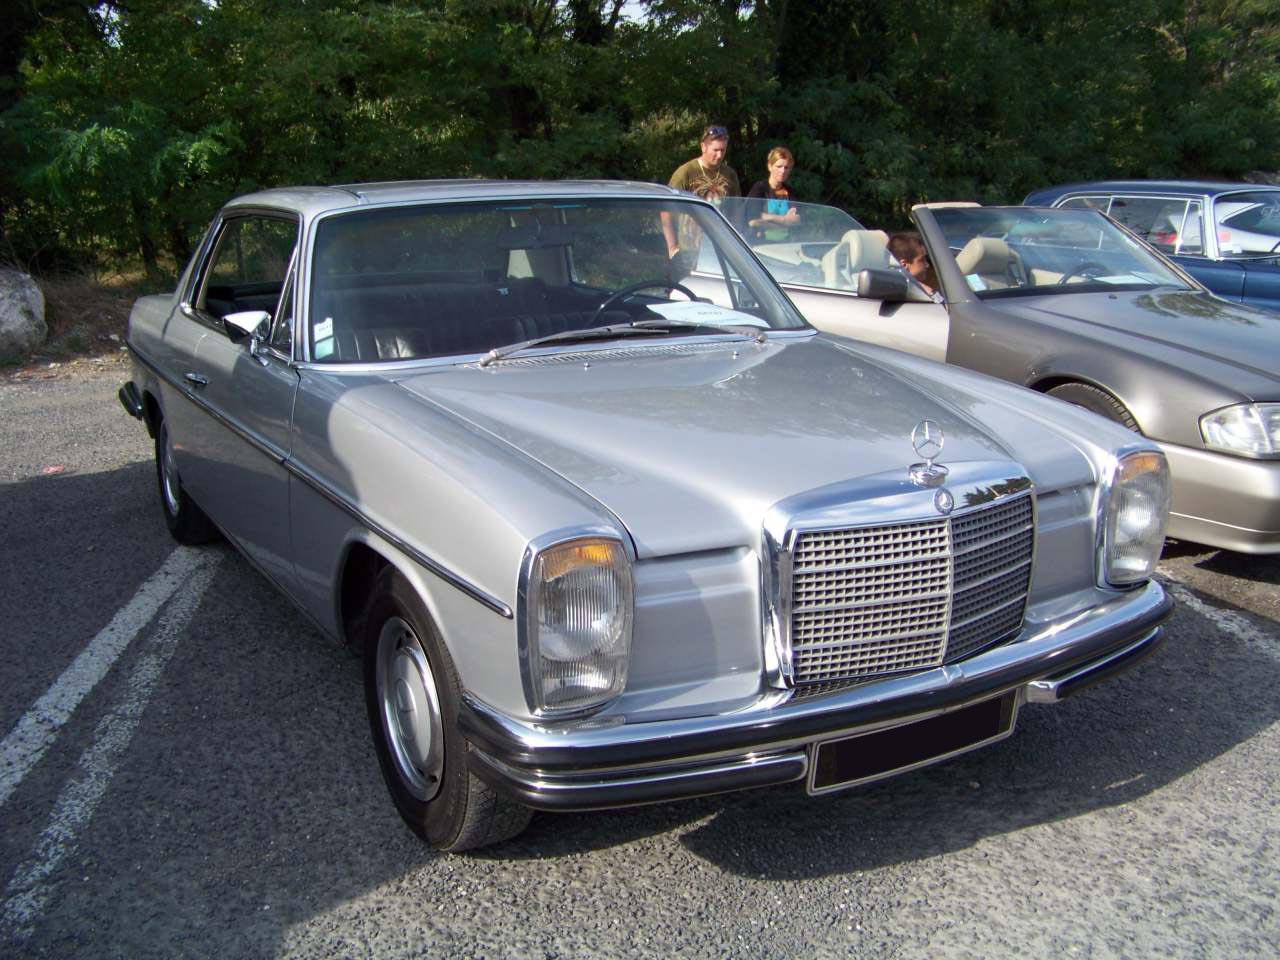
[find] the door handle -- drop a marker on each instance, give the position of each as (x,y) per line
(195,379)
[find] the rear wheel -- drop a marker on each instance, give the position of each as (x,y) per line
(186,522)
(1099,401)
(412,694)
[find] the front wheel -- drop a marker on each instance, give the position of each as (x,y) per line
(412,695)
(1099,401)
(186,521)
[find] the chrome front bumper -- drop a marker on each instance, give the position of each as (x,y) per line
(610,762)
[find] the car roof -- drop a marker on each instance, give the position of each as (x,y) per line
(1212,188)
(311,200)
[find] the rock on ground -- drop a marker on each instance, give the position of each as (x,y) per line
(22,326)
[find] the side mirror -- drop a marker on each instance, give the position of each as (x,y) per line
(887,285)
(247,323)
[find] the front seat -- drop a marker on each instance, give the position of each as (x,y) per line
(857,250)
(991,260)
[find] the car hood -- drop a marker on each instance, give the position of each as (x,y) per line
(690,444)
(1232,344)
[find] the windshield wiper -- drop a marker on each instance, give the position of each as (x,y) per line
(591,333)
(644,328)
(758,334)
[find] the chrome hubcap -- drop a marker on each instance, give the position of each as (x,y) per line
(169,474)
(410,709)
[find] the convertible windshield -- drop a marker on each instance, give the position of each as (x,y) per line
(435,280)
(1005,251)
(807,243)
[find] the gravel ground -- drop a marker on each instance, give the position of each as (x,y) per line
(244,816)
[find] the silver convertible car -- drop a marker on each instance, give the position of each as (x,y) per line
(602,539)
(1068,303)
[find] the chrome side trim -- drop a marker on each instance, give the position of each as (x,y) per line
(333,496)
(434,566)
(186,386)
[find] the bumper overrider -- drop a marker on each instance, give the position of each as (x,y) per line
(613,762)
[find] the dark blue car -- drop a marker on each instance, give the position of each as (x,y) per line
(1226,235)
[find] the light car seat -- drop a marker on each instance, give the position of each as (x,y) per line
(857,250)
(991,260)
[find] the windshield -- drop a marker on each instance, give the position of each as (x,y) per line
(807,243)
(435,280)
(1005,251)
(1248,223)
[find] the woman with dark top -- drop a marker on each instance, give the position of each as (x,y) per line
(774,206)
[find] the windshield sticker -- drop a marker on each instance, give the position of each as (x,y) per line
(687,311)
(324,329)
(324,348)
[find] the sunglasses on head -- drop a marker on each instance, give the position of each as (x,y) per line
(715,133)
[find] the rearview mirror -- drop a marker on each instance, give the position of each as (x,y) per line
(882,285)
(247,323)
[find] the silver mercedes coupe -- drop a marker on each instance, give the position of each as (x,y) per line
(602,538)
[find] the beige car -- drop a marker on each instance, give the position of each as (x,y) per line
(1071,304)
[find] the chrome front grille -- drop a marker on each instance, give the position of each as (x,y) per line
(883,599)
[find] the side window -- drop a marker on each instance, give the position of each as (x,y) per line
(1086,203)
(247,268)
(1191,242)
(1157,220)
(1248,223)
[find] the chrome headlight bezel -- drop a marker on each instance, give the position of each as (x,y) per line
(575,548)
(1137,487)
(1243,430)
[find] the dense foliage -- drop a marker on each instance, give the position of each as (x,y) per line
(125,125)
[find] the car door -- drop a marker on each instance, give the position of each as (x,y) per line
(1247,230)
(246,387)
(1262,283)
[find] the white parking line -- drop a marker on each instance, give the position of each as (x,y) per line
(32,736)
(1228,621)
(29,891)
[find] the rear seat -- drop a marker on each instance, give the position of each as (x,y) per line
(401,322)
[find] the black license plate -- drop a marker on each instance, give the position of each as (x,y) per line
(869,756)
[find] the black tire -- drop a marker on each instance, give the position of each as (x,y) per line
(186,521)
(1099,401)
(415,734)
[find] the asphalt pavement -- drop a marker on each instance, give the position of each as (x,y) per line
(186,772)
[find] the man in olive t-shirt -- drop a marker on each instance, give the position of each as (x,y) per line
(707,176)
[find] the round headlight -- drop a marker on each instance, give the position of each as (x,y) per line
(1134,517)
(578,616)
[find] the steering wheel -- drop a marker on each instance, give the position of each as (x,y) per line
(1082,269)
(635,287)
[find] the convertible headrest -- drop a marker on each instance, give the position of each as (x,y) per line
(984,255)
(867,248)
